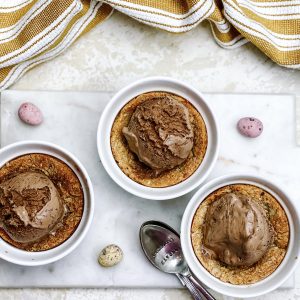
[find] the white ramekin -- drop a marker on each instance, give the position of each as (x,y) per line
(285,269)
(124,96)
(26,258)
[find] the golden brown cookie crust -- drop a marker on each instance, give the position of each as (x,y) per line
(68,186)
(273,257)
(139,172)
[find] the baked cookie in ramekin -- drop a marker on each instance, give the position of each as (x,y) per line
(46,203)
(276,251)
(41,202)
(239,235)
(140,172)
(178,162)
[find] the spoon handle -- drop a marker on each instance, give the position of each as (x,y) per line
(188,284)
(200,288)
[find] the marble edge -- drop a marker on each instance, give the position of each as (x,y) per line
(297,99)
(112,92)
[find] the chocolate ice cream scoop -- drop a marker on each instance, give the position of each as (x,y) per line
(30,206)
(160,133)
(236,231)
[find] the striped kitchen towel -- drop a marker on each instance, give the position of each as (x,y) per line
(34,31)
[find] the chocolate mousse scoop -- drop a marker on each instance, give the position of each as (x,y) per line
(236,231)
(160,133)
(30,206)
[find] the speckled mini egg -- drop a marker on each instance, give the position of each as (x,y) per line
(110,256)
(250,127)
(30,114)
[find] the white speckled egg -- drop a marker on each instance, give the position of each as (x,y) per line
(110,256)
(250,127)
(30,114)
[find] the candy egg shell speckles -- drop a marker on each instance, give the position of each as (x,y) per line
(30,114)
(110,256)
(250,127)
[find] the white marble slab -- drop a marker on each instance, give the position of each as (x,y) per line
(71,121)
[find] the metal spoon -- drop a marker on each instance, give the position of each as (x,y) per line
(161,245)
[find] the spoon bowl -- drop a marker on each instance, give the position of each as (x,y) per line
(161,245)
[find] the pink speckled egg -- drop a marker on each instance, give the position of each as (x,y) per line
(30,114)
(250,127)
